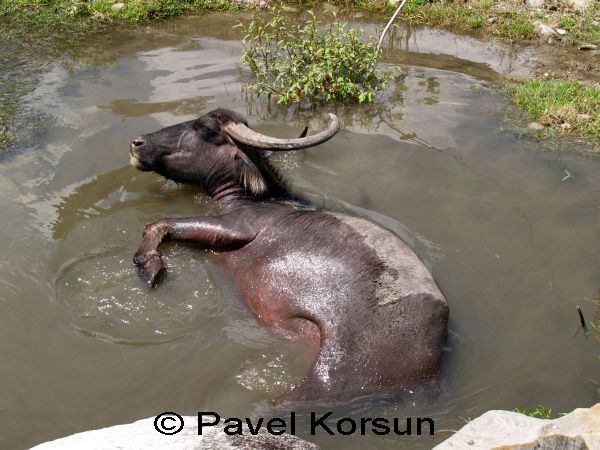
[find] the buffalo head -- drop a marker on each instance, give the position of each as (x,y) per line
(217,151)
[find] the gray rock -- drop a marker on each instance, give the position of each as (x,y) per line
(579,430)
(561,31)
(536,126)
(142,434)
(491,20)
(118,6)
(567,40)
(545,32)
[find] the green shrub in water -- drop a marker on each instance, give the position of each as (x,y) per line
(313,61)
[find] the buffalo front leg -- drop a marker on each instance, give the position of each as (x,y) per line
(213,233)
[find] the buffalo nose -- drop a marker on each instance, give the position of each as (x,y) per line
(137,142)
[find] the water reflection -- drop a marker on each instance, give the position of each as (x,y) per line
(433,48)
(388,114)
(133,108)
(111,192)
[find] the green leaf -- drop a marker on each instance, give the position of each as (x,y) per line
(312,61)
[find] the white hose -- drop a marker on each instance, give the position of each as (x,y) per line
(388,25)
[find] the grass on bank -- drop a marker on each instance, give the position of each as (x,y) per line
(539,412)
(511,23)
(510,19)
(565,106)
(127,11)
(584,27)
(5,140)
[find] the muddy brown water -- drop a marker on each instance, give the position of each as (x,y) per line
(509,230)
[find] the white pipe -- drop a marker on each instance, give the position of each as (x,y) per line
(388,25)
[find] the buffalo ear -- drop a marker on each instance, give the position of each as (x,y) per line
(248,174)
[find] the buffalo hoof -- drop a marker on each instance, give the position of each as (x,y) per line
(150,266)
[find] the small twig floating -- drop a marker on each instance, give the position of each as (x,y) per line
(582,320)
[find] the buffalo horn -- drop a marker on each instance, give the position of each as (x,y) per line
(245,135)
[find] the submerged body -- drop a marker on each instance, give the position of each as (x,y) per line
(370,309)
(354,288)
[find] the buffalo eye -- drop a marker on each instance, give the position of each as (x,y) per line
(209,129)
(197,124)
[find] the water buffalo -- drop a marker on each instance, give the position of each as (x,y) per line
(374,316)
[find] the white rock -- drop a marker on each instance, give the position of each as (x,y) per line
(581,5)
(535,4)
(579,430)
(143,435)
(260,4)
(118,6)
(561,31)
